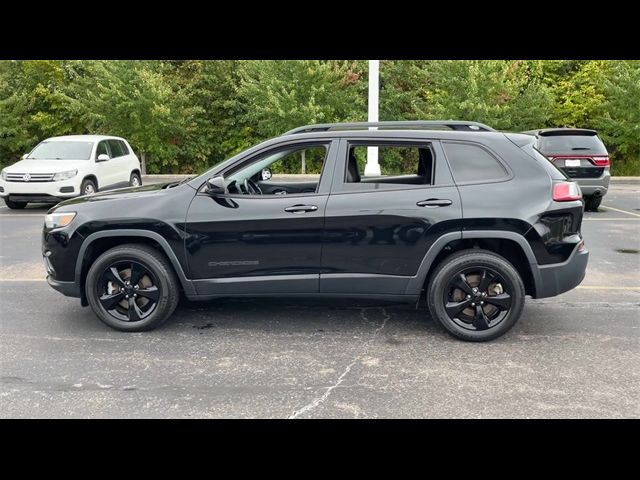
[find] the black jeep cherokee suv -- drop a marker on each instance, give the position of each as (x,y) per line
(472,218)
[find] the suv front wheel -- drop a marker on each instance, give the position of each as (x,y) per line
(476,295)
(132,288)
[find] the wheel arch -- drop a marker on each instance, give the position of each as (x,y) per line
(93,178)
(510,245)
(108,239)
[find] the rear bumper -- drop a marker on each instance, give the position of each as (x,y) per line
(595,186)
(554,279)
(68,289)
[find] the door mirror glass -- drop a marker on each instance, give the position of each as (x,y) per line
(103,157)
(266,174)
(216,186)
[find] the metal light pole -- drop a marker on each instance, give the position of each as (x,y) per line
(372,168)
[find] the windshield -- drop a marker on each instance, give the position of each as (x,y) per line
(569,144)
(62,151)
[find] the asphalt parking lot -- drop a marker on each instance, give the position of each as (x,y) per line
(576,355)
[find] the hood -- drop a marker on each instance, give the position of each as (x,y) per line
(45,166)
(130,193)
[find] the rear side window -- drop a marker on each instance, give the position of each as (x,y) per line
(399,165)
(125,150)
(568,144)
(471,163)
(116,148)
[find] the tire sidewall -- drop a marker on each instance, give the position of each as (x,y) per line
(440,281)
(84,185)
(135,175)
(162,310)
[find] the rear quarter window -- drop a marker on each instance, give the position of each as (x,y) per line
(472,163)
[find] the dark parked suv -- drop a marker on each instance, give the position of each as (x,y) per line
(580,154)
(471,218)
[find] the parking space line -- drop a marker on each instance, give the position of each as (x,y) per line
(621,211)
(13,215)
(23,279)
(606,287)
(613,219)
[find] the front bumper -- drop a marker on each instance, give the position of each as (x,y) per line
(557,278)
(61,190)
(68,289)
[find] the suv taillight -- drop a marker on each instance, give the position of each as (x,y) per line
(601,161)
(566,192)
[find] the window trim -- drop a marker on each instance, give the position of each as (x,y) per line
(509,173)
(329,144)
(344,187)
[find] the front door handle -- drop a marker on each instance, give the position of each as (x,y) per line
(301,208)
(434,202)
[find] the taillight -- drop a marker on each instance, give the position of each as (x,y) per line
(566,192)
(601,161)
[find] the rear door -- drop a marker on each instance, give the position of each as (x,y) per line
(378,228)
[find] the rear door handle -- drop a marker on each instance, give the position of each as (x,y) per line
(434,202)
(301,208)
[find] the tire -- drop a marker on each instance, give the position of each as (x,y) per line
(88,187)
(15,205)
(147,314)
(135,177)
(470,263)
(592,203)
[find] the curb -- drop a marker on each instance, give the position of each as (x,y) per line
(632,180)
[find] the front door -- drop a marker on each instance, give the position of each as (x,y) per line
(378,228)
(254,240)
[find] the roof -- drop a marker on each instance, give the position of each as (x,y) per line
(82,138)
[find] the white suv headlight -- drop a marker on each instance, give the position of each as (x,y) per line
(65,175)
(3,174)
(57,220)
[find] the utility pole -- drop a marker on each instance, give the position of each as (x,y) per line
(372,168)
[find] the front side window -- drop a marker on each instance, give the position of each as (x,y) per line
(300,164)
(398,164)
(62,151)
(102,149)
(472,163)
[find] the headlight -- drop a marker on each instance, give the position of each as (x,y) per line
(57,220)
(3,174)
(65,175)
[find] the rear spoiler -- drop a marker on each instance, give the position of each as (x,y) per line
(556,132)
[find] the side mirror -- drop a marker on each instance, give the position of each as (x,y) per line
(24,156)
(103,157)
(266,174)
(216,186)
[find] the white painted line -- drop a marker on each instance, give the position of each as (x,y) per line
(603,287)
(23,215)
(621,211)
(614,219)
(23,279)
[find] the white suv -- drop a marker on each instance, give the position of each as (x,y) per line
(63,167)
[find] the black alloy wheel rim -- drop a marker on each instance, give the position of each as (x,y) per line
(477,298)
(128,291)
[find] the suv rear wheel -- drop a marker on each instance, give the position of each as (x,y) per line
(476,295)
(132,288)
(592,203)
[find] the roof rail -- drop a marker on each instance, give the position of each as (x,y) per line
(405,125)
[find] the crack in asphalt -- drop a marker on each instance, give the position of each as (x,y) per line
(318,401)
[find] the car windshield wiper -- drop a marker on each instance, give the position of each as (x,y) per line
(580,148)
